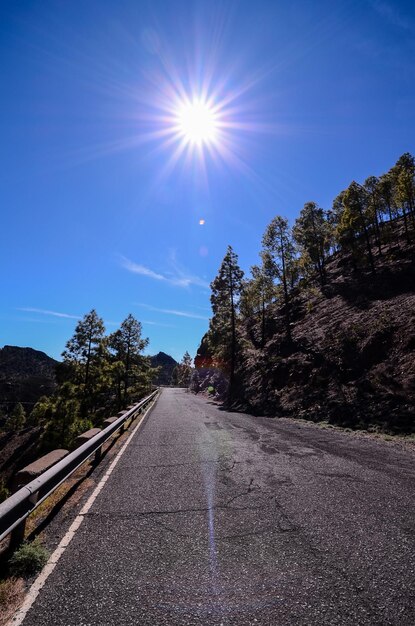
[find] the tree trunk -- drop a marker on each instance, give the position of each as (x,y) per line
(369,249)
(88,358)
(127,370)
(263,324)
(286,297)
(320,259)
(405,221)
(233,344)
(377,228)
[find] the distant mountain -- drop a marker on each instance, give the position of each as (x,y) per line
(167,364)
(25,375)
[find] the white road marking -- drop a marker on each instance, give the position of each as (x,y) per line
(34,590)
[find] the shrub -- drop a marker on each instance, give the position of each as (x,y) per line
(28,559)
(4,492)
(17,419)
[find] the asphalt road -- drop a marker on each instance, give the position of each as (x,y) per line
(221,518)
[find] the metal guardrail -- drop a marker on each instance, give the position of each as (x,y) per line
(15,510)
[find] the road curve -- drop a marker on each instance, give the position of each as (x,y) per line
(218,518)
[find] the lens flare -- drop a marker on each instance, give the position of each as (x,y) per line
(188,106)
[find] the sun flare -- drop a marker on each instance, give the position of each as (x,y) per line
(197,122)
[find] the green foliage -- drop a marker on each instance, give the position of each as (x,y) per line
(313,235)
(17,419)
(354,222)
(278,257)
(29,559)
(84,349)
(126,345)
(403,176)
(386,194)
(78,427)
(226,291)
(258,292)
(41,412)
(107,371)
(4,492)
(182,373)
(99,375)
(65,413)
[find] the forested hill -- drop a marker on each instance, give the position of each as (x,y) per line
(325,326)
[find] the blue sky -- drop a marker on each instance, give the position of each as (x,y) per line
(101,200)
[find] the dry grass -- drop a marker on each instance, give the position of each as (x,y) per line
(44,509)
(406,441)
(11,595)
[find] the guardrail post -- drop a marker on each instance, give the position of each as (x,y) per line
(97,456)
(33,498)
(17,535)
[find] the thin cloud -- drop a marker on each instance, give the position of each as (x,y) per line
(34,320)
(392,14)
(186,314)
(135,268)
(28,309)
(158,324)
(178,277)
(181,277)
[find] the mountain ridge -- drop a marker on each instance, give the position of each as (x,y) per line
(25,375)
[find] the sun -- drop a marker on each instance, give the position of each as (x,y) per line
(197,122)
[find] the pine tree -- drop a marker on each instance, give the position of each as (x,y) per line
(312,234)
(371,186)
(42,411)
(386,194)
(86,346)
(356,211)
(127,344)
(186,370)
(403,174)
(175,376)
(334,217)
(226,290)
(258,292)
(66,412)
(17,419)
(182,373)
(278,257)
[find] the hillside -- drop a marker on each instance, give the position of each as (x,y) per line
(351,360)
(167,364)
(25,375)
